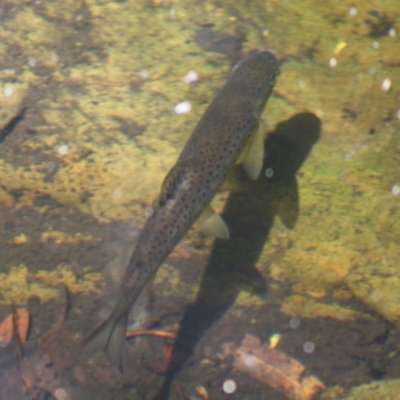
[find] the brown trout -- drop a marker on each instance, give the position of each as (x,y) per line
(212,149)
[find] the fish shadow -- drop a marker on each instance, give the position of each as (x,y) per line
(249,213)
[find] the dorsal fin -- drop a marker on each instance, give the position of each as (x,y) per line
(212,223)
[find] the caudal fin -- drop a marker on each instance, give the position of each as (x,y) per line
(110,338)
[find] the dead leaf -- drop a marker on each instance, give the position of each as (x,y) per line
(275,369)
(7,326)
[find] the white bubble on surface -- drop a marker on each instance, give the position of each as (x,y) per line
(190,77)
(386,84)
(302,84)
(117,194)
(8,91)
(63,150)
(269,172)
(294,322)
(395,189)
(308,347)
(61,394)
(183,108)
(353,12)
(50,166)
(250,360)
(144,74)
(229,386)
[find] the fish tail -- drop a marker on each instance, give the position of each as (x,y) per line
(110,338)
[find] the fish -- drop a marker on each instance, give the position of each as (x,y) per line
(227,129)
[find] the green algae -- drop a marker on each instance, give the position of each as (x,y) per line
(305,307)
(346,234)
(377,390)
(19,285)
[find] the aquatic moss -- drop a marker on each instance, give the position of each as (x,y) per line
(313,270)
(65,238)
(18,285)
(377,390)
(305,307)
(379,290)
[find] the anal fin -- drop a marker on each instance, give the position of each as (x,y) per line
(211,223)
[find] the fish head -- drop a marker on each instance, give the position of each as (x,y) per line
(257,75)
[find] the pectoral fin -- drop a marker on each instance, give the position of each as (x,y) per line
(169,186)
(211,223)
(253,155)
(232,183)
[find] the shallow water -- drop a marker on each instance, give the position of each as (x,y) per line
(88,130)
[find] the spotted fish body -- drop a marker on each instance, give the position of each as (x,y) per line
(212,149)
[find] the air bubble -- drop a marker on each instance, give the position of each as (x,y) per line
(229,386)
(8,91)
(353,12)
(183,108)
(116,194)
(269,172)
(308,347)
(386,84)
(144,74)
(61,394)
(250,360)
(50,166)
(395,189)
(294,322)
(191,77)
(63,150)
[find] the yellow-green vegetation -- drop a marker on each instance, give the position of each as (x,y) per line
(346,235)
(19,285)
(248,300)
(377,390)
(305,307)
(168,278)
(62,237)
